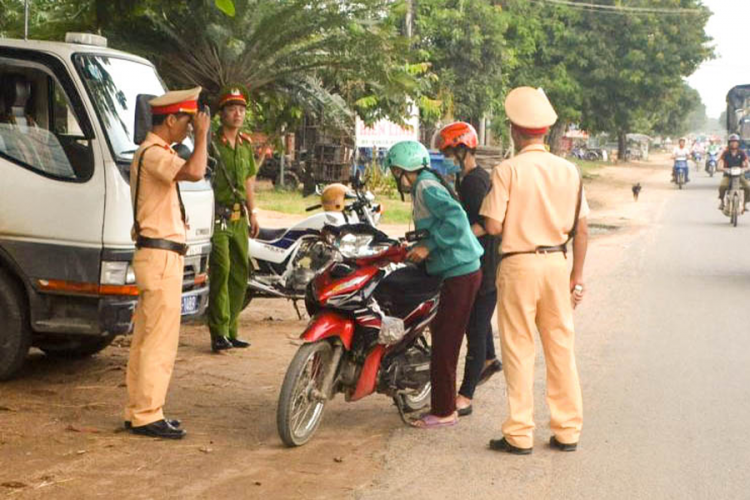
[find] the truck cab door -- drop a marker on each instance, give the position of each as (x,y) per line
(52,188)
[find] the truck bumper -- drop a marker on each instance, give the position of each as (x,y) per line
(116,313)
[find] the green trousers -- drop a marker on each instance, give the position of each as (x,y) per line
(227,272)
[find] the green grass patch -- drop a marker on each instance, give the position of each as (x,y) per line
(589,168)
(396,211)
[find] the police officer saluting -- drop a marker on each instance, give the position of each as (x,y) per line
(160,232)
(234,183)
(537,204)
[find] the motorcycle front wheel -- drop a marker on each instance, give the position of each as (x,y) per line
(301,404)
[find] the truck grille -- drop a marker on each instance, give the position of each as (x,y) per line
(195,276)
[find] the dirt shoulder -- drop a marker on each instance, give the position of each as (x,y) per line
(60,421)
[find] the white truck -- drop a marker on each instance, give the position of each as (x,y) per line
(67,114)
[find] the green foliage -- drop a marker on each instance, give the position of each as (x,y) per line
(463,41)
(381,181)
(226,6)
(637,63)
(334,59)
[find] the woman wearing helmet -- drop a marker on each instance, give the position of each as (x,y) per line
(733,156)
(458,141)
(450,251)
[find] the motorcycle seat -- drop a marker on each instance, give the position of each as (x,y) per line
(406,288)
(268,234)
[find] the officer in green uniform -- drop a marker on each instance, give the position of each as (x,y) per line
(234,182)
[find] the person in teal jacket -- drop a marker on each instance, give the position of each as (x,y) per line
(449,250)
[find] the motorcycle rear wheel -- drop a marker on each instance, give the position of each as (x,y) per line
(300,410)
(417,400)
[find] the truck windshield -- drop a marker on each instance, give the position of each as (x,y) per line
(114,84)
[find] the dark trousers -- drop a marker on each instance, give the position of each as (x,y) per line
(456,300)
(480,344)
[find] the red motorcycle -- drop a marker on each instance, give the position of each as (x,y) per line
(369,312)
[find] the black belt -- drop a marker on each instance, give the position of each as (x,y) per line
(161,244)
(539,250)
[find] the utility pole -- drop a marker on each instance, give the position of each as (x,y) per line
(26,20)
(409,18)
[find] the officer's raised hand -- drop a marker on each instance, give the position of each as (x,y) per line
(201,125)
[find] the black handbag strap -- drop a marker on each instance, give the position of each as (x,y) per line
(136,224)
(579,202)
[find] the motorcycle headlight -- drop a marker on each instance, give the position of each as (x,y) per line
(357,246)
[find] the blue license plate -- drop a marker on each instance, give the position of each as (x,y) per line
(189,304)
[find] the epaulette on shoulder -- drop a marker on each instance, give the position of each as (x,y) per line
(246,137)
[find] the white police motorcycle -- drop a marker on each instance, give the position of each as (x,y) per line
(283,261)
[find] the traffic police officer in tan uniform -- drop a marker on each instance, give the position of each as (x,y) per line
(535,203)
(160,232)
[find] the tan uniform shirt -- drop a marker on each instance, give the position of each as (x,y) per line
(534,196)
(159,212)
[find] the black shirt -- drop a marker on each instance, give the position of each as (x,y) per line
(731,160)
(473,188)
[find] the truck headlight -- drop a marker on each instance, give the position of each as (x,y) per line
(117,273)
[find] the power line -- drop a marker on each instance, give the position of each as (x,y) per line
(621,10)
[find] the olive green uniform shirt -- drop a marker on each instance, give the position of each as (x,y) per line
(240,166)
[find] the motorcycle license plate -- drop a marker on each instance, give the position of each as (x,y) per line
(189,305)
(735,171)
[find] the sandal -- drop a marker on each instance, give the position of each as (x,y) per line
(432,422)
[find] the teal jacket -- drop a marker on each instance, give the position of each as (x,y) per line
(454,250)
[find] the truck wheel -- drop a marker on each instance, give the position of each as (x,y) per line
(76,348)
(15,333)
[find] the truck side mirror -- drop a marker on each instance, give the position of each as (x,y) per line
(182,151)
(142,117)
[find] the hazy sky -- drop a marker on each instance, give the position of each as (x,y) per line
(730,29)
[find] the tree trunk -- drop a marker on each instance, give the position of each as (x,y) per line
(622,145)
(555,137)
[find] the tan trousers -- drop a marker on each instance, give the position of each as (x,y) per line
(153,349)
(533,294)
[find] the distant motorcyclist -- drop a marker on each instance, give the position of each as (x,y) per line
(697,150)
(714,148)
(733,156)
(680,156)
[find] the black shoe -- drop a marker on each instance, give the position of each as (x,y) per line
(503,445)
(553,442)
(465,412)
(239,344)
(172,421)
(488,371)
(220,344)
(159,429)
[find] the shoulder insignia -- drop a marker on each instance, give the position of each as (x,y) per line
(246,137)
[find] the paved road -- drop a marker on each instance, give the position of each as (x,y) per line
(664,354)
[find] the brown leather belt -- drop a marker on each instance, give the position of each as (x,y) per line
(539,250)
(161,244)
